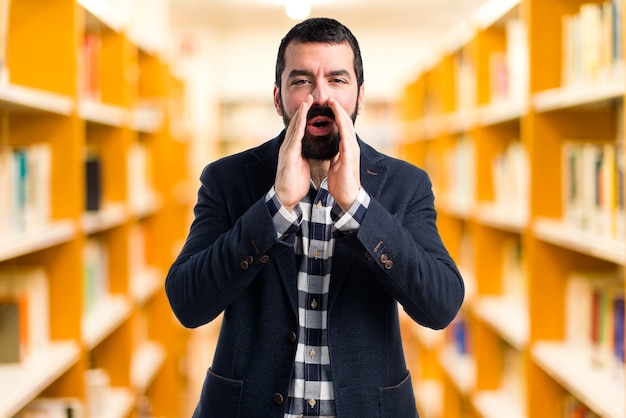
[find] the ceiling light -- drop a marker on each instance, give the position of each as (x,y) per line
(298,9)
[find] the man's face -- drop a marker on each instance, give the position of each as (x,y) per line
(323,71)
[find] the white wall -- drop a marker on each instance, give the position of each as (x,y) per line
(245,63)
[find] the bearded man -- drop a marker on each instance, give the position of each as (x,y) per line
(308,244)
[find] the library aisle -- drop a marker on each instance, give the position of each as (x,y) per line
(520,122)
(95,203)
(518,119)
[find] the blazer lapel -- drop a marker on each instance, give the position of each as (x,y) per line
(373,173)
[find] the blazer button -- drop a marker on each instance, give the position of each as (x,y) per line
(244,265)
(293,337)
(278,398)
(383,258)
(264,259)
(388,264)
(249,259)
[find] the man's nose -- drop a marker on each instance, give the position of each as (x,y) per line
(320,94)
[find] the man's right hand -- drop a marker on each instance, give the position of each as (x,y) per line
(293,175)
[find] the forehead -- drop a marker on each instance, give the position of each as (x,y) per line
(315,55)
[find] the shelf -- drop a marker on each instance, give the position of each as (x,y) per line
(460,208)
(103,114)
(25,99)
(21,383)
(461,121)
(109,217)
(105,13)
(461,368)
(147,120)
(508,219)
(145,204)
(580,95)
(36,239)
(147,360)
(498,404)
(502,112)
(564,235)
(508,315)
(591,386)
(145,285)
(429,397)
(493,11)
(119,403)
(106,316)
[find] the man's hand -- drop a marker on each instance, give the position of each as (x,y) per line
(293,176)
(344,178)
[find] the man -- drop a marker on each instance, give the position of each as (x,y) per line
(307,244)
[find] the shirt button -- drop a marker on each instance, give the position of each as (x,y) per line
(312,403)
(314,304)
(312,353)
(319,204)
(278,398)
(316,254)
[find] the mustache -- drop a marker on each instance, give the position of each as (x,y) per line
(317,110)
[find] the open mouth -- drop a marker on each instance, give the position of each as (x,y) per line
(320,125)
(320,120)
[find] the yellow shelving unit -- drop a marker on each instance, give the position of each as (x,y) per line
(76,83)
(491,121)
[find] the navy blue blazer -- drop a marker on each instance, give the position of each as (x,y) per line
(233,263)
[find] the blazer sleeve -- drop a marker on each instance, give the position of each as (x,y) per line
(223,253)
(399,233)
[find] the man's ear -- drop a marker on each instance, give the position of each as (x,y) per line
(361,98)
(277,100)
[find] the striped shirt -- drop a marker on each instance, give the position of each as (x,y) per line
(317,222)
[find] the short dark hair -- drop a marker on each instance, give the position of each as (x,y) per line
(324,30)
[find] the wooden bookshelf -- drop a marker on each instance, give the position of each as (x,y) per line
(490,120)
(75,83)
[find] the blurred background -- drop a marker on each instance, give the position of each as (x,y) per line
(110,109)
(229,49)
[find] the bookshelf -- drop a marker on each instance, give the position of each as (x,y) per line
(93,158)
(519,121)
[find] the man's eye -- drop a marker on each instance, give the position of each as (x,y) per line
(301,81)
(338,80)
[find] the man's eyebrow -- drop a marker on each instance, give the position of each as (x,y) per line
(306,73)
(299,73)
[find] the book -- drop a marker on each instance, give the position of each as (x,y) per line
(11,322)
(4,39)
(53,408)
(89,67)
(592,187)
(594,316)
(510,178)
(29,286)
(517,59)
(25,181)
(571,407)
(95,273)
(93,180)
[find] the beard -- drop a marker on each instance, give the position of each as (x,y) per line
(319,148)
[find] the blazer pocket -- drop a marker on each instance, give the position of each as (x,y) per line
(398,400)
(220,397)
